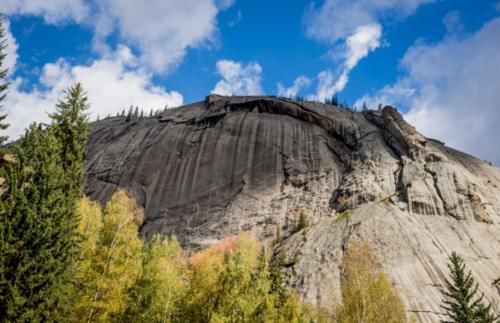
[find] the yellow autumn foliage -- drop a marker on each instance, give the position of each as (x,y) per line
(110,259)
(367,294)
(120,278)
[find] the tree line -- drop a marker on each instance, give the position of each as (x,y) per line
(135,113)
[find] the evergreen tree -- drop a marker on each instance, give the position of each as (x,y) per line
(129,114)
(3,85)
(364,106)
(136,112)
(335,100)
(302,223)
(275,275)
(461,303)
(36,238)
(70,126)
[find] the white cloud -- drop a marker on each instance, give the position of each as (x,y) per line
(398,95)
(52,11)
(162,31)
(300,83)
(364,39)
(357,25)
(10,49)
(238,79)
(451,90)
(335,20)
(327,86)
(112,84)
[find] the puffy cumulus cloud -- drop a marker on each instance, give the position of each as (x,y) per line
(52,11)
(299,83)
(162,31)
(451,90)
(364,39)
(335,20)
(238,79)
(112,84)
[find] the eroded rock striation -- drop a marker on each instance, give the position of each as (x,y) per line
(213,168)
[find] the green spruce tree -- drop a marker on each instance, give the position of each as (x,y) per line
(38,226)
(462,303)
(36,242)
(3,84)
(71,127)
(302,223)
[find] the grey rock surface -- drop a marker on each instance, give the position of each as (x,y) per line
(211,169)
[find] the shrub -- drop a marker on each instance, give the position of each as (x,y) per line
(302,223)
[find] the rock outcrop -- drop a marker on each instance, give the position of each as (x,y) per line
(210,169)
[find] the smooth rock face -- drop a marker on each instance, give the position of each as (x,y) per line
(213,168)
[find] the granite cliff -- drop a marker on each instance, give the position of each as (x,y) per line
(213,168)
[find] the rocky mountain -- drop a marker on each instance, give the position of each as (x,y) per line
(213,168)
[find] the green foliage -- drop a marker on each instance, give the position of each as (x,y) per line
(37,231)
(70,126)
(343,216)
(302,222)
(3,74)
(461,302)
(38,227)
(366,291)
(161,285)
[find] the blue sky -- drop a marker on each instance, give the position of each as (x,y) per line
(436,60)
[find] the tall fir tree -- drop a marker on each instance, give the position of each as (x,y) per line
(462,302)
(38,227)
(36,241)
(71,127)
(3,84)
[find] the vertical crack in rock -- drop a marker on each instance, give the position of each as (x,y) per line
(434,177)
